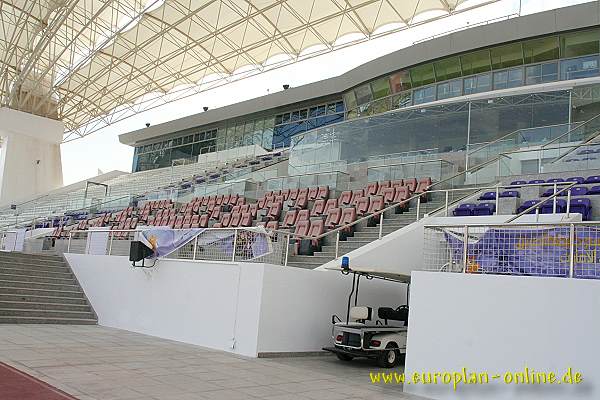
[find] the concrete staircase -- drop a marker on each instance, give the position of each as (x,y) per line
(41,289)
(363,235)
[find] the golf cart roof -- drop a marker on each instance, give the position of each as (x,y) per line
(375,273)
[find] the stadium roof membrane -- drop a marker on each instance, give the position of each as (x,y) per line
(93,62)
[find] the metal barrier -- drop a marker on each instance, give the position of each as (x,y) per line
(212,244)
(541,249)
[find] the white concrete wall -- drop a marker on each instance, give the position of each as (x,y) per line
(242,308)
(189,302)
(504,323)
(297,305)
(27,139)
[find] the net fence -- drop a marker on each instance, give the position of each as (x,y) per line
(562,250)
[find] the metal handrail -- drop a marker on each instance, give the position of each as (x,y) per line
(516,131)
(571,130)
(588,142)
(538,205)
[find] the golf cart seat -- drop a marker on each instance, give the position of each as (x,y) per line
(361,314)
(398,314)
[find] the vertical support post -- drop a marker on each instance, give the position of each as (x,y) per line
(69,244)
(568,202)
(337,244)
(537,214)
(287,250)
(110,243)
(571,249)
(195,248)
(497,196)
(468,137)
(554,200)
(465,248)
(447,194)
(234,245)
(418,207)
(380,225)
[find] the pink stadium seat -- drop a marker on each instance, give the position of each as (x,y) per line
(240,201)
(203,221)
(312,193)
(331,204)
(187,222)
(362,205)
(293,194)
(388,195)
(178,222)
(382,186)
(333,218)
(195,222)
(302,200)
(371,189)
(286,194)
(323,192)
(356,195)
(246,219)
(411,184)
(303,215)
(318,208)
(345,198)
(289,219)
(235,219)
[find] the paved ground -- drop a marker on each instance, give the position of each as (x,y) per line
(93,362)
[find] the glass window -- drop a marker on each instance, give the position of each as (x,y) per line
(541,73)
(177,142)
(331,108)
(350,100)
(295,115)
(339,106)
(422,75)
(474,63)
(583,67)
(303,113)
(400,81)
(285,118)
(424,95)
(380,88)
(508,78)
(477,84)
(402,100)
(312,112)
(321,110)
(539,50)
(507,56)
(363,94)
(448,68)
(579,43)
(449,89)
(278,119)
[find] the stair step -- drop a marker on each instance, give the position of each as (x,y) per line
(27,255)
(36,279)
(30,305)
(37,272)
(28,258)
(41,292)
(44,320)
(29,298)
(35,285)
(26,312)
(30,264)
(303,265)
(313,259)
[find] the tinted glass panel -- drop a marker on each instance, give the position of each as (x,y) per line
(579,44)
(538,50)
(449,89)
(422,75)
(424,95)
(400,81)
(507,56)
(583,67)
(474,63)
(363,94)
(447,69)
(350,99)
(380,88)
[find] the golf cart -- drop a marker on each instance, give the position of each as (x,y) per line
(383,340)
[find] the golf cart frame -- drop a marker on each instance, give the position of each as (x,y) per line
(357,338)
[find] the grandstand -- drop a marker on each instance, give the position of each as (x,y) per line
(473,153)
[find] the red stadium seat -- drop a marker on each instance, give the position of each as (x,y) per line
(289,220)
(323,193)
(411,184)
(303,215)
(331,204)
(293,194)
(286,194)
(371,189)
(318,208)
(302,200)
(345,198)
(246,219)
(312,193)
(356,195)
(362,205)
(203,221)
(195,222)
(178,222)
(388,195)
(235,219)
(382,186)
(333,218)
(187,222)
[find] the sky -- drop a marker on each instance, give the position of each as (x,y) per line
(102,150)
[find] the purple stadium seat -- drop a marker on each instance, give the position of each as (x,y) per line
(485,209)
(576,191)
(548,206)
(513,183)
(464,210)
(510,193)
(536,181)
(488,196)
(578,179)
(549,192)
(555,180)
(594,190)
(583,207)
(526,205)
(593,179)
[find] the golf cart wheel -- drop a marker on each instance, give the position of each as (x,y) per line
(390,357)
(344,357)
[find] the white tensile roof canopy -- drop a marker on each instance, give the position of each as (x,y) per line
(92,62)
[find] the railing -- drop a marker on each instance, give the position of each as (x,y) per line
(116,202)
(212,244)
(436,169)
(542,249)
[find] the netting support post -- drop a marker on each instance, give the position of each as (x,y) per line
(571,249)
(465,248)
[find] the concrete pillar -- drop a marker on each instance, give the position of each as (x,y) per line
(30,162)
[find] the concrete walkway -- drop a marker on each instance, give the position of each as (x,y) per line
(93,362)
